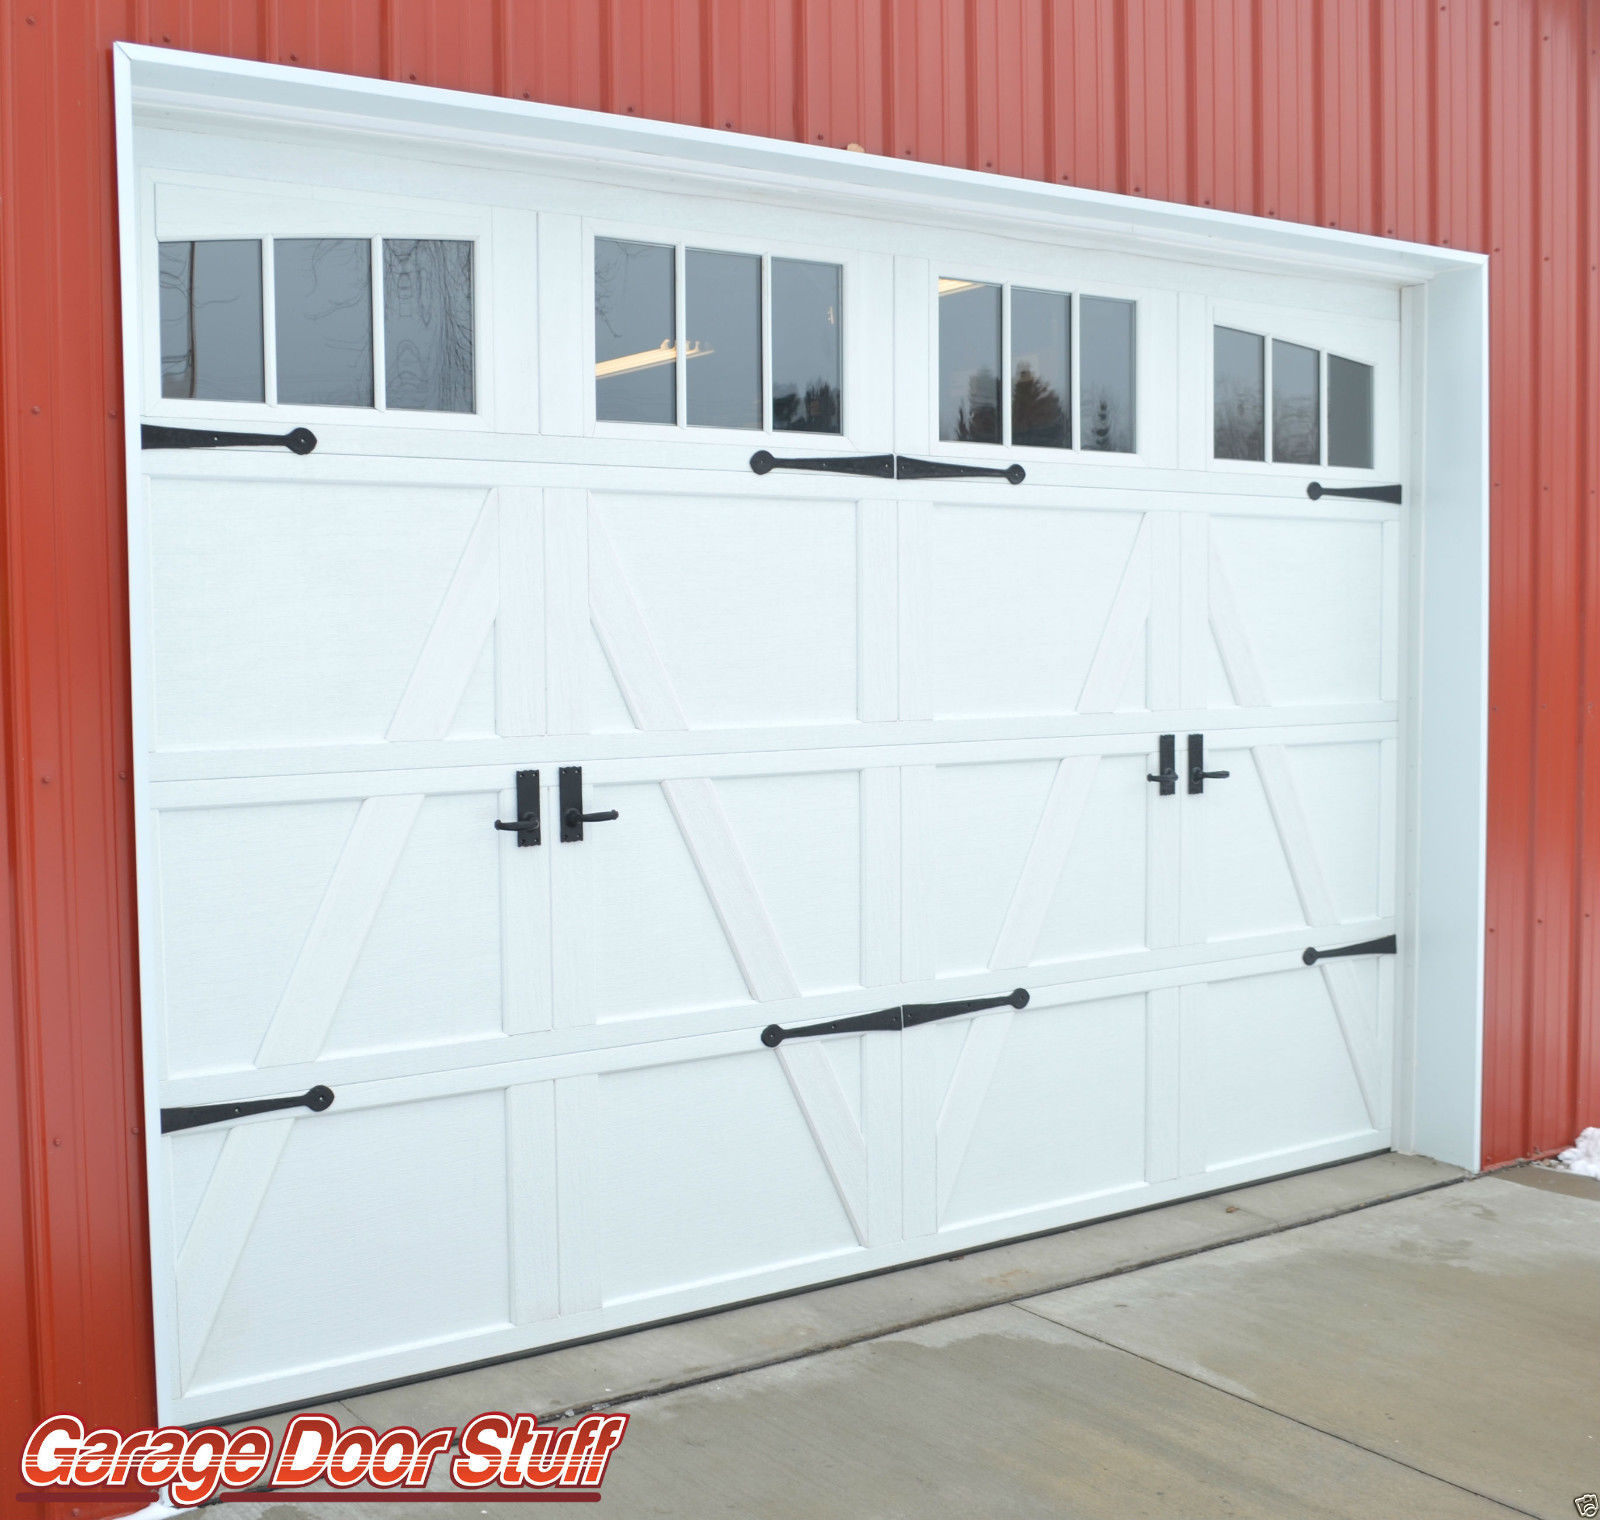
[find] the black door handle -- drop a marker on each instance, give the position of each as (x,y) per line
(881,465)
(906,468)
(526,827)
(573,816)
(1388,945)
(151,436)
(905,1016)
(1198,774)
(1167,758)
(315,1098)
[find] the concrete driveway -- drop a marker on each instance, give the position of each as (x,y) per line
(1436,1354)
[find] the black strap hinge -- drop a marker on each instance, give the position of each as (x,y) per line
(151,436)
(763,462)
(1388,945)
(315,1098)
(904,1016)
(1390,494)
(906,468)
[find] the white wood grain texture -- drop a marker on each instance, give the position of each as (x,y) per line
(560,335)
(919,865)
(1171,866)
(305,1011)
(1163,1057)
(878,613)
(1392,630)
(915,577)
(914,357)
(577,1104)
(566,596)
(1192,1118)
(751,934)
(450,652)
(1064,807)
(625,636)
(883,1130)
(532,1202)
(222,1223)
(920,1096)
(880,875)
(515,307)
(1194,634)
(524,927)
(1164,640)
(573,893)
(1122,636)
(833,1126)
(519,654)
(964,1098)
(1233,643)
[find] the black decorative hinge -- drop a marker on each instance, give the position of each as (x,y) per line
(905,1016)
(933,469)
(315,1098)
(1167,759)
(880,465)
(1388,945)
(1390,494)
(526,825)
(297,440)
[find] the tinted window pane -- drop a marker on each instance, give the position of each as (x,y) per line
(806,368)
(969,361)
(1041,386)
(1238,395)
(1296,404)
(427,324)
(722,300)
(635,329)
(211,343)
(1349,412)
(1106,353)
(323,289)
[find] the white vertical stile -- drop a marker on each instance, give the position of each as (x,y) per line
(533,1202)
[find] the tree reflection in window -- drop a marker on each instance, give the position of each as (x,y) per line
(807,351)
(427,324)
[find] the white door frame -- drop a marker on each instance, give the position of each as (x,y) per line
(1444,305)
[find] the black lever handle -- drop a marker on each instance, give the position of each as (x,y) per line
(906,468)
(526,827)
(1388,945)
(906,1016)
(1198,774)
(570,798)
(1167,757)
(881,465)
(297,440)
(1316,491)
(315,1098)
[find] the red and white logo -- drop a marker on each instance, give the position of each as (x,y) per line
(497,1456)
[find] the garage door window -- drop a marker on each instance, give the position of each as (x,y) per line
(762,344)
(1320,408)
(987,330)
(219,297)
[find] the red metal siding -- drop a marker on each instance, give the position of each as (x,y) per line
(1470,123)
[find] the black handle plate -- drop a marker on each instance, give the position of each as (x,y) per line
(1389,494)
(906,1016)
(570,801)
(1167,756)
(906,468)
(1198,774)
(763,462)
(1388,945)
(315,1098)
(526,827)
(297,440)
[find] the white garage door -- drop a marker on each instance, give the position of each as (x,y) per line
(954,837)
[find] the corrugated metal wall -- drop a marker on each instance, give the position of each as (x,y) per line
(1470,123)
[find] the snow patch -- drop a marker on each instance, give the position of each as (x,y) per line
(1584,1157)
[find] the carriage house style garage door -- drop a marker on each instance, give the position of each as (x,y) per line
(764,740)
